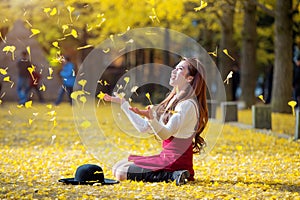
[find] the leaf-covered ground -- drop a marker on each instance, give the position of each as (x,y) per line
(40,144)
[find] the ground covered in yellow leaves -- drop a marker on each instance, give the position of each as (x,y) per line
(40,144)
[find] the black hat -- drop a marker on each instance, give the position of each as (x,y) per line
(88,174)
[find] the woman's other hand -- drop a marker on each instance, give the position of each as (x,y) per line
(145,113)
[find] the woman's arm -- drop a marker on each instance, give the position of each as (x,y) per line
(137,121)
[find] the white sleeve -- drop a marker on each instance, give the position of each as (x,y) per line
(137,121)
(177,121)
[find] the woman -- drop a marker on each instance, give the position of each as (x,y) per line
(178,121)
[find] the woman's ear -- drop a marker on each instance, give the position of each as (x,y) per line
(190,78)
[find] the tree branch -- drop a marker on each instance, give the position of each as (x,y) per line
(264,8)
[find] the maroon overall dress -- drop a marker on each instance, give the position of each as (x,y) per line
(177,154)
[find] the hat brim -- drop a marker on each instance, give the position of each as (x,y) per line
(75,182)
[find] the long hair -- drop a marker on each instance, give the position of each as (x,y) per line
(197,91)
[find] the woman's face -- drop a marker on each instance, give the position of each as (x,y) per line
(179,75)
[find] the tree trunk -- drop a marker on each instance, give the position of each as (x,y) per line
(226,42)
(248,62)
(283,69)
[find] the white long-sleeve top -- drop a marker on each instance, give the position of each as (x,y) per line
(181,124)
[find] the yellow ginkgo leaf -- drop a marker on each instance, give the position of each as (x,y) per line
(51,113)
(106,50)
(7,79)
(74,33)
(42,88)
(10,49)
(101,95)
(85,124)
(133,89)
(29,52)
(49,106)
(75,94)
(202,5)
(50,73)
(292,104)
(53,12)
(70,9)
(28,104)
(261,97)
(64,27)
(229,76)
(226,52)
(30,121)
(3,40)
(148,97)
(3,71)
(34,32)
(126,79)
(20,106)
(82,82)
(46,10)
(85,47)
(82,99)
(55,44)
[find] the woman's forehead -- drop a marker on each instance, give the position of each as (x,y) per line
(183,63)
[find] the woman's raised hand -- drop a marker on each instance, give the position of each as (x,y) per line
(145,113)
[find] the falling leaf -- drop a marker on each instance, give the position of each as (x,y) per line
(82,99)
(202,5)
(133,89)
(49,106)
(101,95)
(85,47)
(55,44)
(50,73)
(53,12)
(46,10)
(292,104)
(126,79)
(10,49)
(42,88)
(154,16)
(229,76)
(30,121)
(261,97)
(34,32)
(35,114)
(119,87)
(70,9)
(148,97)
(3,71)
(3,40)
(85,124)
(28,104)
(106,50)
(51,113)
(82,82)
(52,139)
(7,79)
(29,52)
(75,94)
(74,33)
(226,52)
(215,53)
(65,27)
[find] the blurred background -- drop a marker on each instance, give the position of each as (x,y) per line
(257,40)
